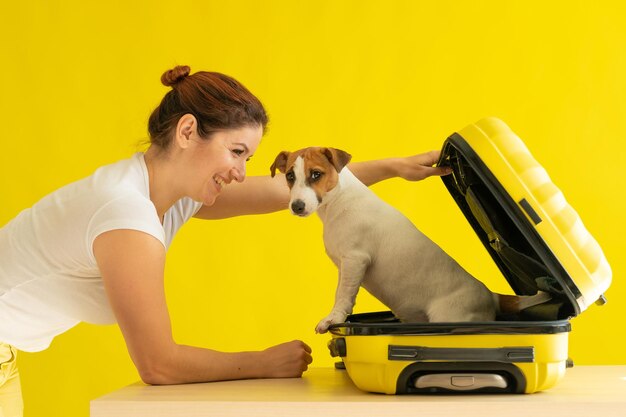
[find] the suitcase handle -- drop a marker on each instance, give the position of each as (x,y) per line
(423,353)
(492,377)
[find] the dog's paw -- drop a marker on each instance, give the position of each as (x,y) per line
(324,324)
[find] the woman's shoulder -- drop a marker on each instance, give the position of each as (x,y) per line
(117,190)
(127,174)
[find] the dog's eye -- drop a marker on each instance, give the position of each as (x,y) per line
(291,177)
(316,175)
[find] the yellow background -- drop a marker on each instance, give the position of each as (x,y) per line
(376,78)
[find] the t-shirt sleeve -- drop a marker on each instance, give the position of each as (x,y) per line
(125,212)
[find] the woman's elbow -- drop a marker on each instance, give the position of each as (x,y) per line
(155,372)
(155,376)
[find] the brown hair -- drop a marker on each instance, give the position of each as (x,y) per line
(217,101)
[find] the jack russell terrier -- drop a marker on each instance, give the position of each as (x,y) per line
(375,246)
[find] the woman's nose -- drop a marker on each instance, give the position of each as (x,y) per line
(239,173)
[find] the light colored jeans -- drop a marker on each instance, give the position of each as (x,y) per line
(11,403)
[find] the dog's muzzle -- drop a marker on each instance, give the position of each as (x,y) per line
(297,207)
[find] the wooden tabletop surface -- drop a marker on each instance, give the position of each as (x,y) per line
(585,391)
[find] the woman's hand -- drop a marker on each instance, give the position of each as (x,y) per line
(287,360)
(419,167)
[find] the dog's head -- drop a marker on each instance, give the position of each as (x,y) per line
(310,174)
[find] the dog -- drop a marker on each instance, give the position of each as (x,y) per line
(375,246)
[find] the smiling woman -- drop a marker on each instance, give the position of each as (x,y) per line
(94,250)
(196,167)
(207,127)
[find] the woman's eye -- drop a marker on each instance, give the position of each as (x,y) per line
(238,152)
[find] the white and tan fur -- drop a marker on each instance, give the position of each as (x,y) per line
(375,246)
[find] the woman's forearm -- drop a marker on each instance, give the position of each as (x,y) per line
(371,172)
(256,195)
(188,364)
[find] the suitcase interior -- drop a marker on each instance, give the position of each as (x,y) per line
(522,256)
(528,350)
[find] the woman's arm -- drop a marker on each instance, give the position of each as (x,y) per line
(411,168)
(132,265)
(264,194)
(256,195)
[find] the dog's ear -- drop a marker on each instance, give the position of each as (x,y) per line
(280,163)
(337,157)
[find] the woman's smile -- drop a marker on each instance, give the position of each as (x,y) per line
(219,182)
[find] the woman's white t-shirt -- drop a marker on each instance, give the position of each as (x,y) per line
(49,278)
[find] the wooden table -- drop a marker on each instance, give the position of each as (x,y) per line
(585,391)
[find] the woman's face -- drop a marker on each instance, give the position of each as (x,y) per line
(217,162)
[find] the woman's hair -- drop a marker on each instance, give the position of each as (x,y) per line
(217,101)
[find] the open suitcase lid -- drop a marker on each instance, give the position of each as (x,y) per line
(534,236)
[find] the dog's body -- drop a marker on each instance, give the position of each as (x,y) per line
(375,246)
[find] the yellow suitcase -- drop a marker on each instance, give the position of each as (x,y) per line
(538,242)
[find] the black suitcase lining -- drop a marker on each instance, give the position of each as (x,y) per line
(496,222)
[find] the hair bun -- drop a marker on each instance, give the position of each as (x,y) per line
(172,77)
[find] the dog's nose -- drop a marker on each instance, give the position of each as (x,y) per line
(297,206)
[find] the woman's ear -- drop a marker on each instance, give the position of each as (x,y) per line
(186,128)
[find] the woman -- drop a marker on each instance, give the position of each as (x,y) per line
(94,250)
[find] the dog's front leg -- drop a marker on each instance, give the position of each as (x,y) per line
(351,272)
